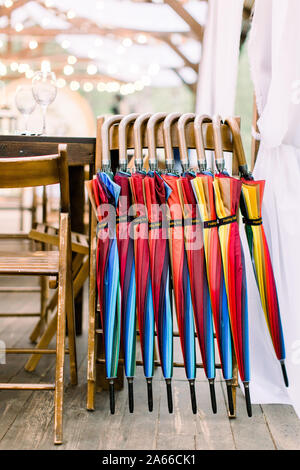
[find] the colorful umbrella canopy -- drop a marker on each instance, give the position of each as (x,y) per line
(106,192)
(227,194)
(156,193)
(251,204)
(126,261)
(196,263)
(204,193)
(155,196)
(144,297)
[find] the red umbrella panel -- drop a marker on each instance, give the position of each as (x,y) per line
(156,194)
(144,297)
(181,285)
(227,195)
(193,231)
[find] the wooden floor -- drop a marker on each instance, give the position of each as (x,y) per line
(26,418)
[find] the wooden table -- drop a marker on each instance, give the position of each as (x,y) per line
(81,152)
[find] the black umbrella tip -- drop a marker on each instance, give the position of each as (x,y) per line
(230,397)
(213,395)
(130,394)
(112,396)
(169,395)
(150,394)
(248,400)
(193,396)
(284,373)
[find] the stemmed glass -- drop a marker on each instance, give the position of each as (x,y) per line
(25,103)
(44,90)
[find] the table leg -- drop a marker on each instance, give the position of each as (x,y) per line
(76,178)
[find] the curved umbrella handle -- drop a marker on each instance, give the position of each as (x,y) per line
(238,144)
(184,155)
(138,143)
(199,139)
(219,156)
(151,126)
(108,123)
(123,131)
(167,126)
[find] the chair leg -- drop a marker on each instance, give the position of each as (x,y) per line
(91,357)
(71,330)
(40,326)
(42,344)
(60,359)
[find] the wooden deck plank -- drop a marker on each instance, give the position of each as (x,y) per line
(284,426)
(250,433)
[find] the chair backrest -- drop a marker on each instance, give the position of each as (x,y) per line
(38,171)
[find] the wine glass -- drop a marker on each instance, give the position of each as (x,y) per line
(44,90)
(25,102)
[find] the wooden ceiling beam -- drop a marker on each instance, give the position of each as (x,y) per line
(186,61)
(195,27)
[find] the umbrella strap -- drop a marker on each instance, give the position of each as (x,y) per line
(123,218)
(140,220)
(227,220)
(210,223)
(257,221)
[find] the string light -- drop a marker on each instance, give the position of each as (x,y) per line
(71,14)
(61,82)
(72,60)
(101,86)
(3,69)
(68,69)
(19,27)
(74,85)
(127,42)
(92,69)
(1,43)
(138,85)
(88,86)
(49,3)
(142,39)
(14,66)
(33,44)
(8,3)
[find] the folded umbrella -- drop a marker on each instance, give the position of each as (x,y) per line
(144,298)
(196,263)
(156,193)
(227,194)
(251,205)
(106,192)
(204,193)
(126,261)
(180,275)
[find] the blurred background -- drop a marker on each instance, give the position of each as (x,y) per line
(109,56)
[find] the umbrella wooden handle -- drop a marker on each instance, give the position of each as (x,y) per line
(151,127)
(105,134)
(238,145)
(183,148)
(138,142)
(199,139)
(219,156)
(123,132)
(167,127)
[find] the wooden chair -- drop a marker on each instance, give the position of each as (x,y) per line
(49,235)
(31,172)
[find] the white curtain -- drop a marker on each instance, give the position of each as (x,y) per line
(219,61)
(274,52)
